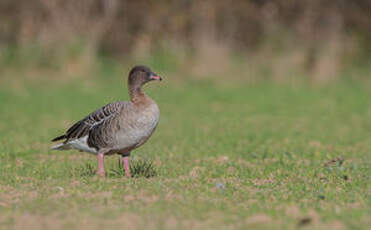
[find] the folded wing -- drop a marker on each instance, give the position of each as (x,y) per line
(102,116)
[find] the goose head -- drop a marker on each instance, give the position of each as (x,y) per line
(140,75)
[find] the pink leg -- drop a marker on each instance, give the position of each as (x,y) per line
(101,172)
(125,161)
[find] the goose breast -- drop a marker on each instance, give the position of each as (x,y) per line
(137,127)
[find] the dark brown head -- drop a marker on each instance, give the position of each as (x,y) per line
(140,74)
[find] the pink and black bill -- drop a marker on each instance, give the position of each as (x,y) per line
(154,76)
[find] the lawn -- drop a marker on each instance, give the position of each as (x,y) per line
(236,156)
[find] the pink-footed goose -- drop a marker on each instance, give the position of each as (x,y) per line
(118,127)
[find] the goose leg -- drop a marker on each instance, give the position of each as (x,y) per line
(125,161)
(101,172)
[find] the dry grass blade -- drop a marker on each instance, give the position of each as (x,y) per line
(87,170)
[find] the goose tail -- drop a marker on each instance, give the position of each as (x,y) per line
(61,146)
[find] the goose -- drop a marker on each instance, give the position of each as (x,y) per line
(118,127)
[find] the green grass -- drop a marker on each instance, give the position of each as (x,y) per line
(223,157)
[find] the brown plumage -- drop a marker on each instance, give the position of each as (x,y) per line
(117,127)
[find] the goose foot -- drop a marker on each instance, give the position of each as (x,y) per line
(101,172)
(125,161)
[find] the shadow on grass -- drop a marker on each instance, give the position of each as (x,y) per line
(86,170)
(138,168)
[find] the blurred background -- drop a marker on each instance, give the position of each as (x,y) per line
(282,40)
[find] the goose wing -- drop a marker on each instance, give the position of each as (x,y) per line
(99,118)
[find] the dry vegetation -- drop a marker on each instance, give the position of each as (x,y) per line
(271,39)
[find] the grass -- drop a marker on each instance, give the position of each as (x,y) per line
(138,168)
(230,156)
